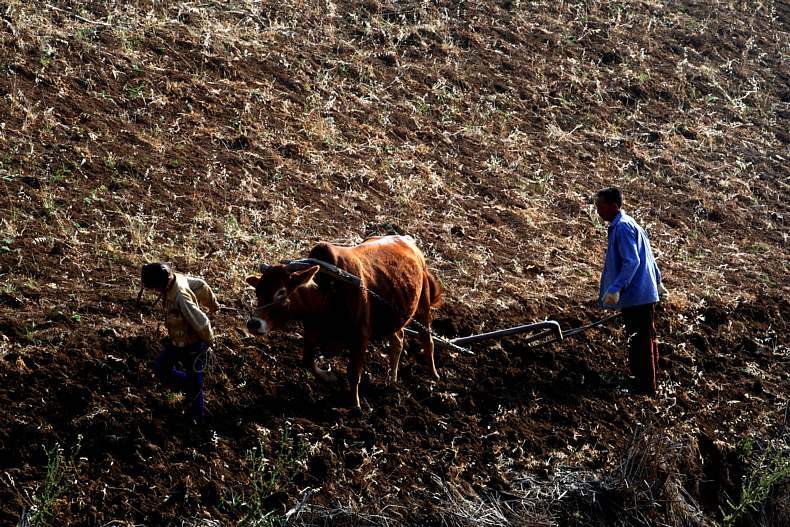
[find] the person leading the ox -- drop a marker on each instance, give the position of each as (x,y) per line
(189,330)
(631,282)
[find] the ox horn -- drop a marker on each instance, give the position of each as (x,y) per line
(262,267)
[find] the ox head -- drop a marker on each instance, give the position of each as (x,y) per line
(274,290)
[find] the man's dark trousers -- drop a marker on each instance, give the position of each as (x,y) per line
(642,348)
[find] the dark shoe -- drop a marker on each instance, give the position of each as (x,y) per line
(636,388)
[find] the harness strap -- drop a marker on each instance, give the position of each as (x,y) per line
(326,268)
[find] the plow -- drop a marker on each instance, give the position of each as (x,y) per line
(539,334)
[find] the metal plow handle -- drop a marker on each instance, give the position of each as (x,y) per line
(546,332)
(440,341)
(549,331)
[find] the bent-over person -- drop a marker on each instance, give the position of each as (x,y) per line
(189,331)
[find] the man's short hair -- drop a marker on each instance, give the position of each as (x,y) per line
(611,195)
(156,275)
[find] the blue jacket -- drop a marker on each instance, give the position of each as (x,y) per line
(630,267)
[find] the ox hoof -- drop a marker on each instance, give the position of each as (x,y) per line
(355,403)
(327,377)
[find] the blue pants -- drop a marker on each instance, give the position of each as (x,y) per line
(190,380)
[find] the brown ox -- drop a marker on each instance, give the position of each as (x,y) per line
(337,314)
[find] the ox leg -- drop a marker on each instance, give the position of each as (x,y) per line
(423,316)
(427,346)
(355,369)
(396,348)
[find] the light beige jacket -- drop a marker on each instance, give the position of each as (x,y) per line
(186,323)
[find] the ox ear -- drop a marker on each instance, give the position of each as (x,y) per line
(253,281)
(300,278)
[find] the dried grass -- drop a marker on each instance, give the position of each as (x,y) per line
(509,139)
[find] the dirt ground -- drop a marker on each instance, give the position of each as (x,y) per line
(219,135)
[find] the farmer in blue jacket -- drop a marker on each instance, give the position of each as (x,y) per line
(631,282)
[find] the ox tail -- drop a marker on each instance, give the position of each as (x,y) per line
(434,290)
